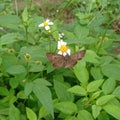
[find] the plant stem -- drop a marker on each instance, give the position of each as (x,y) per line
(26,31)
(16,7)
(27,71)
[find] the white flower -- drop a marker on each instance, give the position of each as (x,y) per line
(46,24)
(61,35)
(63,48)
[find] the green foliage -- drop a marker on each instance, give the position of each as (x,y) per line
(31,88)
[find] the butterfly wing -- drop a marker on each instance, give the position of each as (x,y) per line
(57,60)
(72,59)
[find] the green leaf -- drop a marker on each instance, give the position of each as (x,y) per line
(71,118)
(70,37)
(103,116)
(96,73)
(9,21)
(30,114)
(14,113)
(81,32)
(21,95)
(44,95)
(25,15)
(104,60)
(36,68)
(60,88)
(96,110)
(9,38)
(28,88)
(104,3)
(108,86)
(37,53)
(96,94)
(84,115)
(16,69)
(104,99)
(93,86)
(112,110)
(116,92)
(4,111)
(66,107)
(89,40)
(9,60)
(4,91)
(111,71)
(91,57)
(78,90)
(43,112)
(14,82)
(81,72)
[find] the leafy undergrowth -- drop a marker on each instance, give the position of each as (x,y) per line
(32,88)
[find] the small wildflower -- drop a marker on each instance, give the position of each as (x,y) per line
(24,80)
(61,35)
(57,11)
(27,57)
(11,50)
(63,48)
(38,62)
(46,24)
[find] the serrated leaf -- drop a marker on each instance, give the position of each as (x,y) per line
(60,88)
(30,114)
(112,110)
(14,113)
(21,95)
(4,111)
(81,72)
(16,69)
(111,71)
(103,116)
(91,57)
(96,94)
(28,88)
(84,115)
(81,32)
(43,112)
(9,60)
(96,110)
(9,21)
(44,96)
(93,86)
(66,107)
(104,99)
(108,86)
(14,82)
(116,92)
(78,90)
(96,73)
(4,91)
(8,38)
(25,15)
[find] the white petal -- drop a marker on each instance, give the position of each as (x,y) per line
(50,23)
(47,27)
(68,51)
(63,43)
(64,54)
(47,20)
(60,53)
(59,44)
(41,25)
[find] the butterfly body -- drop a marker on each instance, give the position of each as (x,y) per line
(67,61)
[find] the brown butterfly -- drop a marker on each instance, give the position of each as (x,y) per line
(67,61)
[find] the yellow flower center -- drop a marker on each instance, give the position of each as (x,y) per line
(45,23)
(63,48)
